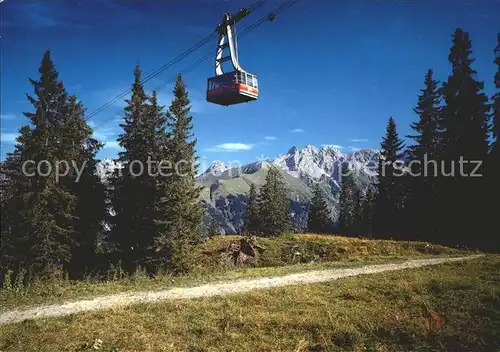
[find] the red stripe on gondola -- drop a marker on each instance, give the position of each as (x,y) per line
(235,88)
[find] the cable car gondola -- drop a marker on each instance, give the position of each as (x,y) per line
(237,86)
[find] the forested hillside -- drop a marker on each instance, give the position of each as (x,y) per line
(58,214)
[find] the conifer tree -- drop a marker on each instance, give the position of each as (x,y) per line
(389,199)
(465,138)
(14,185)
(139,186)
(424,159)
(346,204)
(134,189)
(495,148)
(158,169)
(367,213)
(38,214)
(252,222)
(495,125)
(214,227)
(357,213)
(465,119)
(275,209)
(428,127)
(90,211)
(492,241)
(319,215)
(180,224)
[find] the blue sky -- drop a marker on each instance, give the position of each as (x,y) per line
(330,72)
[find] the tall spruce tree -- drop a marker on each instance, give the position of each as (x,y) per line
(180,224)
(423,162)
(38,213)
(390,186)
(15,183)
(495,148)
(214,227)
(428,127)
(252,222)
(90,211)
(492,241)
(158,141)
(318,220)
(275,209)
(465,119)
(465,142)
(367,213)
(346,203)
(357,213)
(134,189)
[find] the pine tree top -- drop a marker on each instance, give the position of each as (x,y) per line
(460,52)
(497,62)
(391,143)
(50,94)
(47,68)
(496,99)
(181,98)
(466,109)
(428,126)
(430,95)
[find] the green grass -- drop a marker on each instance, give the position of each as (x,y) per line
(208,265)
(378,312)
(240,185)
(316,248)
(60,290)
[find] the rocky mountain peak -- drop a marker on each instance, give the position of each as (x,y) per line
(217,168)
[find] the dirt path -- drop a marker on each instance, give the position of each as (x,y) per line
(213,289)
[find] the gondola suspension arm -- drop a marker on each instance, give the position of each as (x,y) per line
(227,39)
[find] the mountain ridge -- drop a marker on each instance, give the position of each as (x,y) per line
(225,188)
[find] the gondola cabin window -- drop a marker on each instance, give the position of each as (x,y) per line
(232,88)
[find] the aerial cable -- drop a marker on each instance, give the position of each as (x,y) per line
(155,73)
(246,31)
(195,47)
(256,5)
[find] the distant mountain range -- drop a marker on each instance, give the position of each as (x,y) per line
(225,188)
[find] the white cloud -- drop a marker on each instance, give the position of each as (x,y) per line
(297,130)
(7,116)
(112,145)
(335,146)
(105,135)
(359,140)
(8,137)
(230,147)
(102,133)
(354,149)
(270,138)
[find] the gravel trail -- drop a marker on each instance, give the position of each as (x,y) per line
(212,289)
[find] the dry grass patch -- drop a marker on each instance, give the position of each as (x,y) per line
(209,264)
(381,312)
